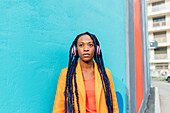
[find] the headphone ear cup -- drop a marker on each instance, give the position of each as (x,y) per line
(98,50)
(74,50)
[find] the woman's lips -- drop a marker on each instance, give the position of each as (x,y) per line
(86,54)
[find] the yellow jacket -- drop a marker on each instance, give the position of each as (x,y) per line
(101,106)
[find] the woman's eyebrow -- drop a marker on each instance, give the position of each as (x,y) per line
(85,42)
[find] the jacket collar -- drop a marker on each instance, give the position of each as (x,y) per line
(81,87)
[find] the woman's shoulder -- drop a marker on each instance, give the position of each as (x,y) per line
(108,71)
(64,69)
(63,73)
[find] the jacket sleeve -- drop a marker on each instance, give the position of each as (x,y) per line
(59,97)
(115,104)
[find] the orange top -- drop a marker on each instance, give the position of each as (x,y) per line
(101,107)
(90,95)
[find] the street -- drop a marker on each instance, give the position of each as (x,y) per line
(164,94)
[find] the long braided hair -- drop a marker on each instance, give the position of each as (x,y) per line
(71,73)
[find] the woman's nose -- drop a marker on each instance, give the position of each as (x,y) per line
(86,48)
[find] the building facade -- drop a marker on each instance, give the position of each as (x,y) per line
(159,34)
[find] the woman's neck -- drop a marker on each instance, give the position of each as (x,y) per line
(86,66)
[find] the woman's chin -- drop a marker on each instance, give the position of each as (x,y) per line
(86,60)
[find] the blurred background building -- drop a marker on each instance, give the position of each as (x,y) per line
(159,36)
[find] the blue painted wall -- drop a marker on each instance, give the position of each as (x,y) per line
(35,37)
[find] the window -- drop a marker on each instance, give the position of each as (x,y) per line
(157,6)
(160,37)
(159,33)
(160,53)
(161,65)
(158,3)
(159,19)
(161,50)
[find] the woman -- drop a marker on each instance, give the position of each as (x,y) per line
(85,86)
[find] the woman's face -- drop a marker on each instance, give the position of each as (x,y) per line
(85,47)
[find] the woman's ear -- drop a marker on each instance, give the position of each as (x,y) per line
(74,50)
(98,50)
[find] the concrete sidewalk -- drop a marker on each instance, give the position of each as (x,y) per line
(153,104)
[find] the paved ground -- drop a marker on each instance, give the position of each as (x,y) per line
(151,102)
(164,94)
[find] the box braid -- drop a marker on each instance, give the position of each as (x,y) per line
(69,95)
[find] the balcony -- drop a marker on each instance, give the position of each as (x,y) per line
(161,66)
(159,9)
(151,1)
(159,24)
(161,56)
(161,40)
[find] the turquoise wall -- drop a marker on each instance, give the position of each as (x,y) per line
(35,37)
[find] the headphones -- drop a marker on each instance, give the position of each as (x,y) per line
(74,50)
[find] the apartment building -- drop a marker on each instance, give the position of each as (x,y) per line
(159,34)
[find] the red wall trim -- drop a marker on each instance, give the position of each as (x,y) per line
(138,55)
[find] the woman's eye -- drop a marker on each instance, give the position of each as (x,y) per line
(90,44)
(81,45)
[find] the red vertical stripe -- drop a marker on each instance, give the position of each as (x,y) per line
(138,56)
